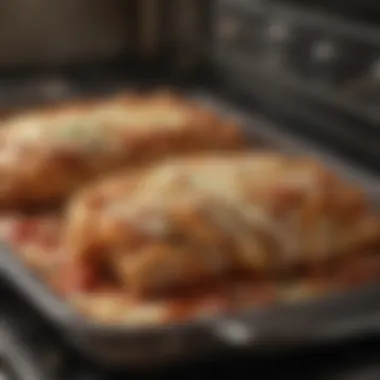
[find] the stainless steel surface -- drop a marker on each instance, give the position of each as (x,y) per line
(329,60)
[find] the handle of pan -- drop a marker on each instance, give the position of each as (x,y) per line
(239,333)
(300,329)
(235,332)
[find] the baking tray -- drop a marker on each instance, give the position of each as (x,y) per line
(337,316)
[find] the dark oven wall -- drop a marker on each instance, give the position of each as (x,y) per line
(361,10)
(71,48)
(42,33)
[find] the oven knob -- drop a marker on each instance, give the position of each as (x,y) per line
(324,52)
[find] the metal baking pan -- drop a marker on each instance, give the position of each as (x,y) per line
(337,316)
(25,353)
(17,360)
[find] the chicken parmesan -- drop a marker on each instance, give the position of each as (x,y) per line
(47,154)
(187,221)
(37,242)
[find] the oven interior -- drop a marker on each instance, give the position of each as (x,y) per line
(312,73)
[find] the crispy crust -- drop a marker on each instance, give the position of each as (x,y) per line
(190,220)
(48,153)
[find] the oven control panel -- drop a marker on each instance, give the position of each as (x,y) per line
(323,68)
(314,47)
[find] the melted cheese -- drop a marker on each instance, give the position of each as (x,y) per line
(95,126)
(237,188)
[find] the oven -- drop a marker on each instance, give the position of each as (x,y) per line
(288,70)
